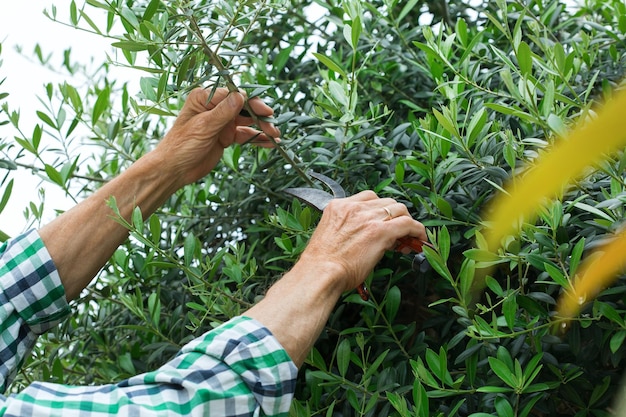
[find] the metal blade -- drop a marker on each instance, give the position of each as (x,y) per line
(335,187)
(315,198)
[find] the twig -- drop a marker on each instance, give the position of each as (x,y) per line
(75,176)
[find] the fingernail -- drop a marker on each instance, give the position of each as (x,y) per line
(233,100)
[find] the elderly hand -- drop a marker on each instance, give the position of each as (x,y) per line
(350,239)
(188,152)
(354,233)
(203,129)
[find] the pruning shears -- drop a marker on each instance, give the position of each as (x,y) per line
(319,199)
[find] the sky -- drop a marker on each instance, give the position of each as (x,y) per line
(23,24)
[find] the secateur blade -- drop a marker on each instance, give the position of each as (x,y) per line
(314,197)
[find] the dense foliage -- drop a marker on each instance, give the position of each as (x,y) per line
(434,103)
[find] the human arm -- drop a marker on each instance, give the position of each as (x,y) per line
(246,364)
(236,369)
(352,236)
(188,152)
(41,270)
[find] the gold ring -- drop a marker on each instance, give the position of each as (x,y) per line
(389,215)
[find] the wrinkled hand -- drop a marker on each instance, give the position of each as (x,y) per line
(355,232)
(203,129)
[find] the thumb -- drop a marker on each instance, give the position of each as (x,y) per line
(227,110)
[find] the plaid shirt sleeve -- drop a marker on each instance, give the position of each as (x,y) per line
(237,369)
(32,300)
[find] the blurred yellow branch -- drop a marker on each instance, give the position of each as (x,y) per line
(596,273)
(568,158)
(591,142)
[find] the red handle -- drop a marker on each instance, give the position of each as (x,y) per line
(363,292)
(409,242)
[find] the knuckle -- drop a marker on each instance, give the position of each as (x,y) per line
(369,194)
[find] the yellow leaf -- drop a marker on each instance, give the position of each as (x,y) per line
(566,160)
(595,273)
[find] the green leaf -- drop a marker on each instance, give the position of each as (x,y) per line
(420,399)
(162,264)
(53,175)
(576,255)
(137,219)
(466,279)
(493,389)
(593,210)
(46,119)
(524,58)
(443,243)
(102,103)
(399,173)
(357,28)
(559,57)
(410,5)
(6,194)
(90,22)
(371,370)
(125,362)
(281,59)
(98,4)
(73,13)
(446,122)
(503,407)
(338,93)
(437,263)
(330,64)
(353,400)
(154,308)
(475,126)
(398,402)
(539,387)
(530,406)
(509,310)
(392,303)
(434,364)
(189,248)
(151,9)
(511,110)
(444,207)
(58,371)
(461,31)
(423,374)
(347,35)
(600,390)
(617,340)
(155,228)
(532,368)
(481,255)
(556,274)
(316,359)
(343,357)
(557,125)
(131,46)
(129,20)
(503,372)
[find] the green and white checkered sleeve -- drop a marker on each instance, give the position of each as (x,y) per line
(32,300)
(237,369)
